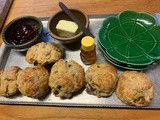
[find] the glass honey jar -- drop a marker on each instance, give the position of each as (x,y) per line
(88,50)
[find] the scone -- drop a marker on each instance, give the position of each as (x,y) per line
(135,88)
(8,81)
(33,81)
(101,79)
(66,77)
(44,53)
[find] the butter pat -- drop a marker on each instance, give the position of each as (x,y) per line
(66,28)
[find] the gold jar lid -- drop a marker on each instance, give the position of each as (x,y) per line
(87,43)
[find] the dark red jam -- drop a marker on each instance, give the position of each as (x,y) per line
(22,34)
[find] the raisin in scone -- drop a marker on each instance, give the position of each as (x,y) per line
(44,53)
(135,88)
(8,81)
(66,77)
(101,79)
(33,81)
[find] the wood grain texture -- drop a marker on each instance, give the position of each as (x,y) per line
(4,9)
(8,112)
(45,8)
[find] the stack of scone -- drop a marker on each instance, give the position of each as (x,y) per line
(65,78)
(33,81)
(69,77)
(132,87)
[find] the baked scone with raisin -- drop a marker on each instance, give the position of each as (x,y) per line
(101,79)
(135,88)
(8,81)
(33,81)
(44,53)
(66,78)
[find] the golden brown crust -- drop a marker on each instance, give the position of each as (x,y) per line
(33,81)
(135,88)
(44,53)
(101,79)
(66,78)
(8,81)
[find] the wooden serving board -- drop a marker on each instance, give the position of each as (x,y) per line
(4,9)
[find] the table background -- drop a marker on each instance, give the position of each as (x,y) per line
(45,8)
(4,9)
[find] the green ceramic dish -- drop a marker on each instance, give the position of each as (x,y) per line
(121,65)
(131,38)
(124,67)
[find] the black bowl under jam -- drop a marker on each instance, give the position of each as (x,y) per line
(23,32)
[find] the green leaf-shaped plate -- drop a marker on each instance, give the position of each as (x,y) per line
(121,65)
(131,38)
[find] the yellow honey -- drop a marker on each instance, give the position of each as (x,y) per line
(88,50)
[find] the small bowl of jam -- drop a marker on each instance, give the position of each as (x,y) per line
(23,32)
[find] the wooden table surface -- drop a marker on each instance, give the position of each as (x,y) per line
(45,8)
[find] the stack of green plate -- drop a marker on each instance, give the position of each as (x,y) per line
(130,40)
